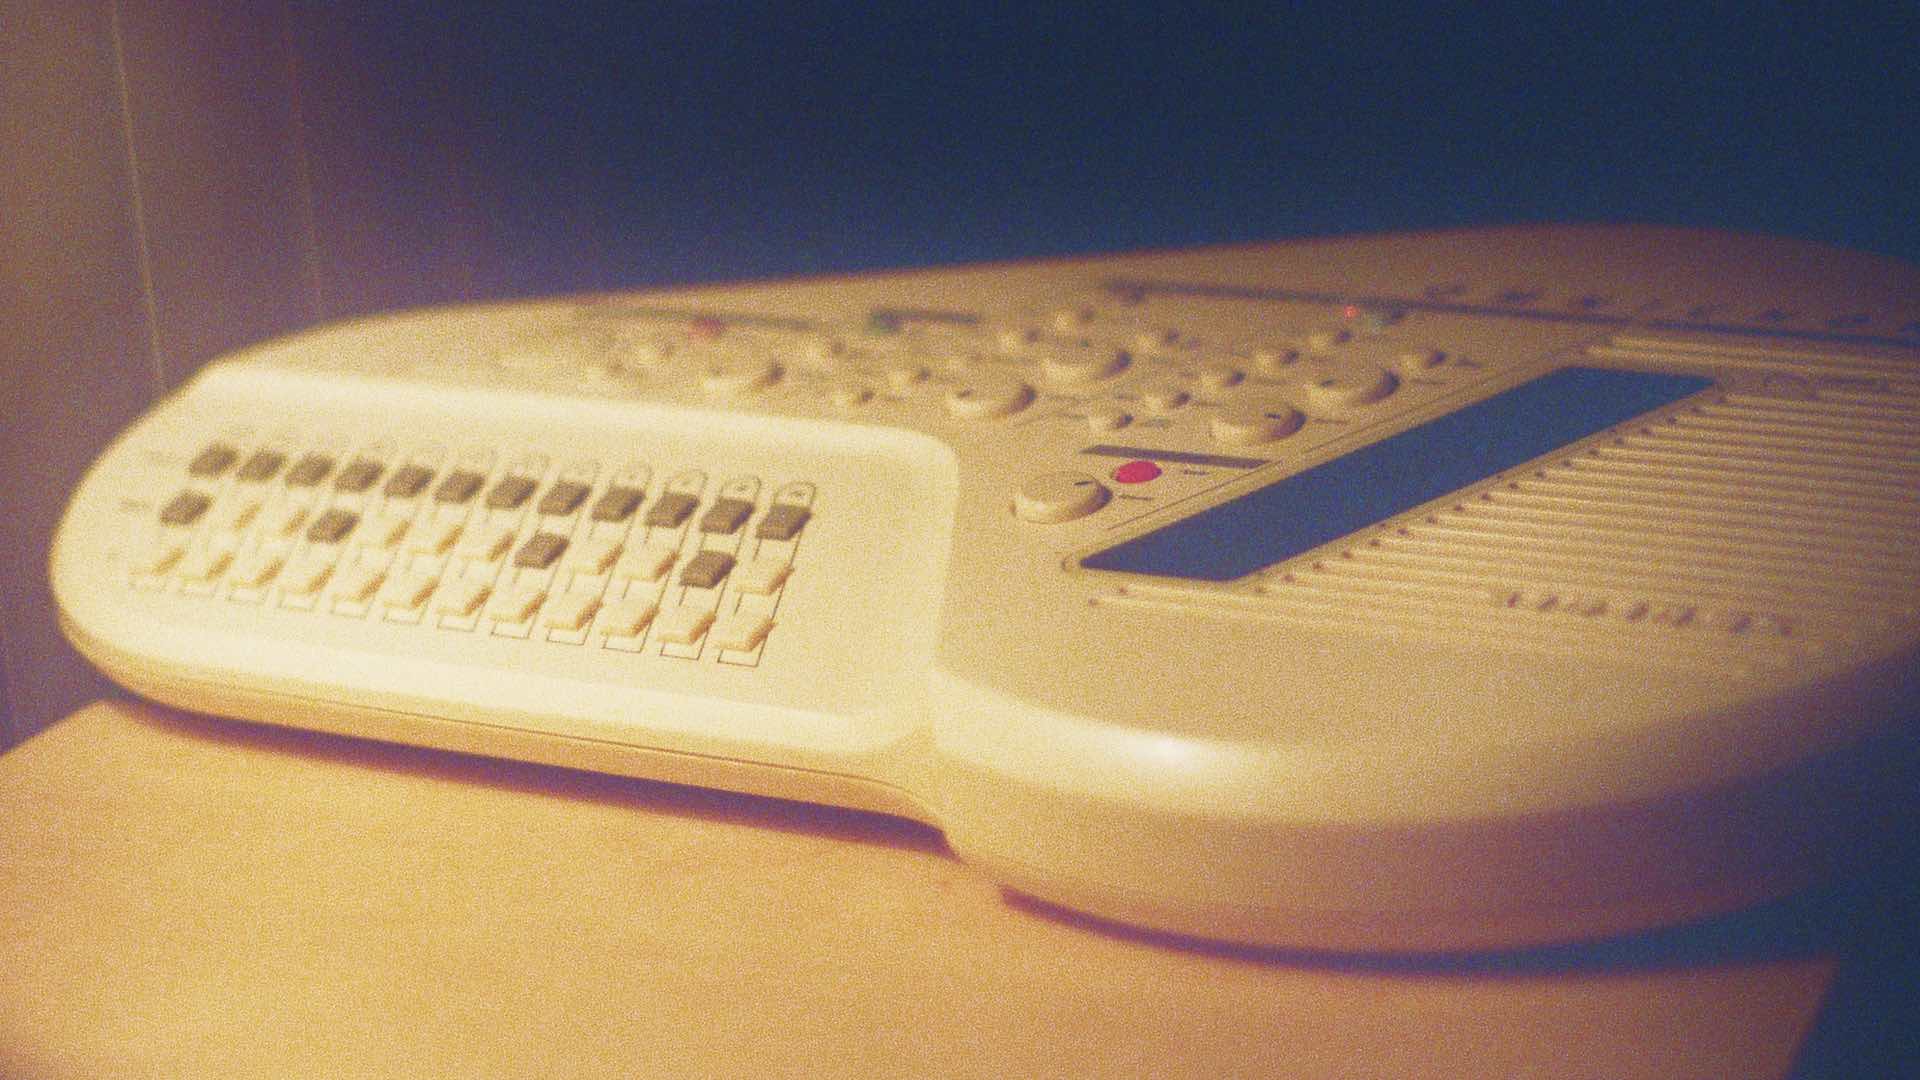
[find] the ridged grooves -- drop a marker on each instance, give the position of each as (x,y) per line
(1734,521)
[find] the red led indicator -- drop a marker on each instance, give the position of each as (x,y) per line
(1136,472)
(1351,311)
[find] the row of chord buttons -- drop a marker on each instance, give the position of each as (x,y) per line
(526,604)
(706,569)
(459,486)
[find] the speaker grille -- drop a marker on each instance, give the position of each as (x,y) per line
(1749,522)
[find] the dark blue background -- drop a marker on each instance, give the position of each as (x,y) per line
(622,145)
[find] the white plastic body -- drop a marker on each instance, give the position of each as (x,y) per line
(1626,684)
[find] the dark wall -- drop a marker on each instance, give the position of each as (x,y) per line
(178,179)
(601,146)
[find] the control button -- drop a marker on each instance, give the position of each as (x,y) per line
(564,497)
(1074,319)
(184,508)
(641,350)
(1157,340)
(570,611)
(618,504)
(510,493)
(386,530)
(1250,423)
(541,551)
(1070,363)
(1218,376)
(359,475)
(517,605)
(407,481)
(459,486)
(728,375)
(846,394)
(287,519)
(1054,497)
(436,536)
(1322,340)
(783,522)
(212,460)
(1163,395)
(905,374)
(258,568)
(725,516)
(160,556)
(358,582)
(1375,319)
(462,597)
(593,555)
(1106,416)
(237,512)
(648,562)
(671,509)
(206,563)
(332,526)
(629,616)
(1015,339)
(305,576)
(408,591)
(986,396)
(1277,363)
(822,353)
(488,542)
(1347,388)
(707,569)
(762,576)
(263,466)
(309,471)
(741,631)
(1136,472)
(1418,360)
(685,625)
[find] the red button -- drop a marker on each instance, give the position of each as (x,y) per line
(1136,472)
(707,327)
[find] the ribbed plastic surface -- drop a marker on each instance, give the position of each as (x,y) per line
(1754,523)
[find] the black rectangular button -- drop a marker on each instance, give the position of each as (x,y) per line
(309,470)
(669,510)
(213,459)
(707,569)
(408,481)
(360,475)
(332,526)
(725,516)
(184,508)
(564,497)
(509,493)
(261,467)
(618,504)
(540,550)
(783,522)
(459,486)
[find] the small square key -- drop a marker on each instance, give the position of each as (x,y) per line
(629,616)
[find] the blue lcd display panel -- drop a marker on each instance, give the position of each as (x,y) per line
(1396,474)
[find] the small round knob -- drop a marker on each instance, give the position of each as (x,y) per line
(1070,363)
(1251,423)
(1344,388)
(988,395)
(729,375)
(1051,498)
